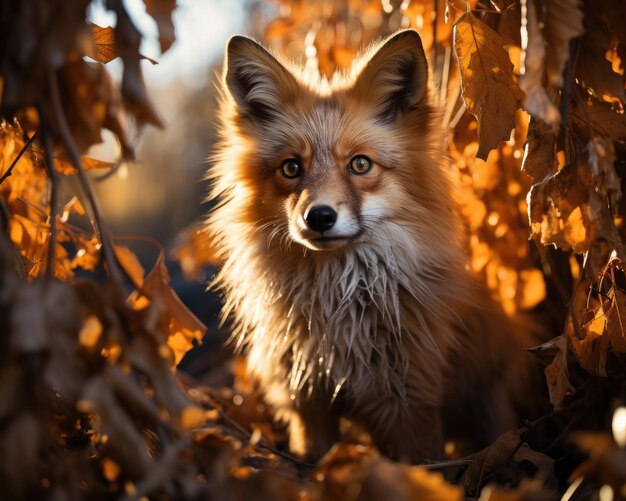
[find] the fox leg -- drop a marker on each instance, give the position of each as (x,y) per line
(312,424)
(413,435)
(312,431)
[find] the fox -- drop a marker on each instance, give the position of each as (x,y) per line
(344,276)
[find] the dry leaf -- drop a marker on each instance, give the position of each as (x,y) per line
(539,150)
(554,354)
(104,40)
(593,71)
(491,458)
(537,102)
(488,87)
(563,21)
(182,327)
(161,11)
(568,208)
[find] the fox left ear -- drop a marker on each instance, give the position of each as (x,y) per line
(259,84)
(395,79)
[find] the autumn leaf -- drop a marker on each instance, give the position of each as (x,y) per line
(491,458)
(104,41)
(563,21)
(554,354)
(348,468)
(613,13)
(592,116)
(536,102)
(161,11)
(568,208)
(592,70)
(195,250)
(182,327)
(487,83)
(539,150)
(604,331)
(105,46)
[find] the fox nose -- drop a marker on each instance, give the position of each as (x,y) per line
(320,218)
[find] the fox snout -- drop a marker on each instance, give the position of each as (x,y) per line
(323,219)
(320,218)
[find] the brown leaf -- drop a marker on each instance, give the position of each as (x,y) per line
(350,469)
(133,87)
(104,40)
(536,102)
(494,456)
(130,263)
(613,13)
(596,117)
(38,37)
(488,87)
(539,150)
(592,70)
(182,326)
(545,464)
(125,444)
(563,21)
(91,102)
(605,331)
(195,250)
(161,11)
(105,46)
(568,208)
(554,354)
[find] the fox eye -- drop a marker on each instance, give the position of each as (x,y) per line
(291,168)
(360,165)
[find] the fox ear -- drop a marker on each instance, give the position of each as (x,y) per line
(395,78)
(259,84)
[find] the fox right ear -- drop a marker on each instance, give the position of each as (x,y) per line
(257,81)
(395,78)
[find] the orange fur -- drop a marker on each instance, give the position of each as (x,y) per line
(380,323)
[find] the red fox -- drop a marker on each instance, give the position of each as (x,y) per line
(344,264)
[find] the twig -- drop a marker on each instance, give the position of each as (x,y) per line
(48,156)
(466,461)
(218,405)
(17,158)
(74,155)
(262,443)
(109,173)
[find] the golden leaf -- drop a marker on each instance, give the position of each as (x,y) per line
(564,21)
(487,83)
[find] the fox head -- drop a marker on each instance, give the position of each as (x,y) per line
(329,164)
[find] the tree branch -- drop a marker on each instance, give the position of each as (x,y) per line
(48,155)
(17,158)
(108,254)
